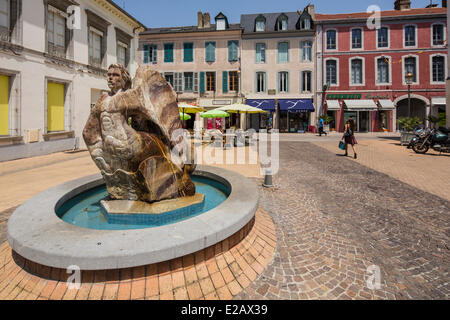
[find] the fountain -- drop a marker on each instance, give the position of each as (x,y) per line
(148,204)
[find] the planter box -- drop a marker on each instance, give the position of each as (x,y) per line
(406,137)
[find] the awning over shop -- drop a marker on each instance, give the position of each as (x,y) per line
(296,105)
(263,104)
(333,105)
(360,105)
(438,101)
(386,104)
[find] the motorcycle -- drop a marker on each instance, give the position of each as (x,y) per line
(437,140)
(417,131)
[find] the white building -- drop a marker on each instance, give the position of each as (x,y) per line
(53,60)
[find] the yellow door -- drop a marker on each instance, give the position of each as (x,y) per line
(4,105)
(55,107)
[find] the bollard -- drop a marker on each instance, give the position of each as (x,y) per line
(268,180)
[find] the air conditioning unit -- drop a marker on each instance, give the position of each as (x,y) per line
(33,135)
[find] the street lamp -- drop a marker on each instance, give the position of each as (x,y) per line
(409,80)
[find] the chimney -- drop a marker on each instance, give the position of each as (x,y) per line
(206,20)
(311,10)
(402,4)
(200,20)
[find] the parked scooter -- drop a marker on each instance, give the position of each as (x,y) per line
(437,140)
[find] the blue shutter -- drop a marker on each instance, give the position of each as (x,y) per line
(202,82)
(188,52)
(168,52)
(146,53)
(210,51)
(233,50)
(225,82)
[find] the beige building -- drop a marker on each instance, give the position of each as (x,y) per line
(53,60)
(202,62)
(278,69)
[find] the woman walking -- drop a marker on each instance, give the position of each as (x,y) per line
(349,136)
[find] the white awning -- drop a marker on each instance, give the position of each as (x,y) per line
(333,105)
(360,104)
(386,104)
(438,101)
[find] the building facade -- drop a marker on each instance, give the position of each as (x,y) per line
(278,69)
(365,70)
(202,62)
(53,60)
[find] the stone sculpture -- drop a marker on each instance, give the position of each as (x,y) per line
(129,136)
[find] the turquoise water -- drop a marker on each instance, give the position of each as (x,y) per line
(85,211)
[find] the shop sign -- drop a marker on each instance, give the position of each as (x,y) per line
(344,96)
(272,92)
(377,97)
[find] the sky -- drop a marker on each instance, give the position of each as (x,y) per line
(174,13)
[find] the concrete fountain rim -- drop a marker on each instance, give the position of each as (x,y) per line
(36,233)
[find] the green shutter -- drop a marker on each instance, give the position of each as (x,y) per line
(233,50)
(225,82)
(146,53)
(188,52)
(210,51)
(202,82)
(168,52)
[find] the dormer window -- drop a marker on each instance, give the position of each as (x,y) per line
(282,23)
(221,22)
(260,24)
(306,24)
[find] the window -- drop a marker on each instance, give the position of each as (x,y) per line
(356,71)
(233,50)
(188,52)
(178,82)
(438,69)
(168,52)
(150,53)
(331,39)
(169,78)
(438,35)
(331,71)
(4,105)
(260,82)
(220,24)
(306,81)
(260,53)
(188,81)
(210,81)
(56,30)
(95,47)
(233,81)
(383,37)
(383,70)
(306,23)
(260,24)
(410,36)
(283,52)
(55,106)
(306,50)
(122,53)
(410,66)
(282,23)
(4,13)
(283,81)
(210,51)
(356,39)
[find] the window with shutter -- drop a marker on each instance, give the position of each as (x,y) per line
(202,82)
(188,82)
(210,51)
(188,52)
(233,50)
(210,81)
(260,53)
(225,82)
(146,53)
(168,52)
(233,81)
(195,82)
(4,13)
(283,52)
(178,82)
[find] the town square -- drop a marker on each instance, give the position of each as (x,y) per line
(245,154)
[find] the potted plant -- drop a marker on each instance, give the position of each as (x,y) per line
(407,125)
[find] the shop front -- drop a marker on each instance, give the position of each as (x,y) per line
(260,121)
(295,115)
(373,114)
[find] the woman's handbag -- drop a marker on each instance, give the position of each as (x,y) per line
(341,145)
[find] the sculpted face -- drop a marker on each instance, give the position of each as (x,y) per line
(114,80)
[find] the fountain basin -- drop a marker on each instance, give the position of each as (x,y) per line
(36,233)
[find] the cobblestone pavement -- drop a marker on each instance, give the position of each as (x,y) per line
(429,172)
(334,218)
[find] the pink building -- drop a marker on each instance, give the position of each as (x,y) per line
(363,69)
